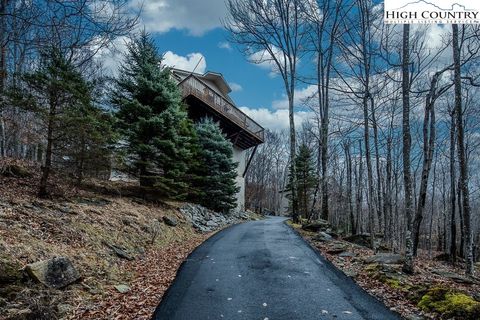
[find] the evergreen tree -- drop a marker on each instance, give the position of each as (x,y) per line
(89,142)
(306,180)
(55,90)
(216,171)
(153,120)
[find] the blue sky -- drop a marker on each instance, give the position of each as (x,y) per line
(189,30)
(253,85)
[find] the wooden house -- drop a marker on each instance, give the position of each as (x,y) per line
(207,95)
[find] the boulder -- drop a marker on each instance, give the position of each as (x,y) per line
(57,272)
(316,226)
(337,248)
(170,221)
(122,288)
(386,258)
(455,277)
(323,237)
(120,252)
(205,220)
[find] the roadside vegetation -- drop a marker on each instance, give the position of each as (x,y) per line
(437,290)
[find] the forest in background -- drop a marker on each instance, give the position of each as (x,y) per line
(394,129)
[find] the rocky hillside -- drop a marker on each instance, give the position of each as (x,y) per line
(437,289)
(86,255)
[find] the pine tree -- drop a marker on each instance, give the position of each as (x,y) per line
(216,171)
(55,90)
(152,120)
(88,145)
(305,181)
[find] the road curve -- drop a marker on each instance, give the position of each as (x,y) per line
(263,270)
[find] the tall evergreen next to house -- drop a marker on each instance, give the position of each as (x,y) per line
(152,119)
(216,170)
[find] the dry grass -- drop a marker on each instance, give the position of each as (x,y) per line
(80,225)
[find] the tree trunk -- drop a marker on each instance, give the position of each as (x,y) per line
(378,201)
(469,267)
(453,192)
(407,140)
(360,186)
(428,151)
(46,169)
(292,156)
(348,158)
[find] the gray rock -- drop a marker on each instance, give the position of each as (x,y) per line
(323,237)
(57,272)
(205,220)
(170,221)
(122,288)
(455,277)
(347,254)
(121,252)
(386,258)
(337,248)
(211,223)
(316,226)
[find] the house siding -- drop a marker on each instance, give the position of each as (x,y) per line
(240,156)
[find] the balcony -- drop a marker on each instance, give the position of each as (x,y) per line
(246,133)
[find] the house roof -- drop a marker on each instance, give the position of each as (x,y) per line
(214,80)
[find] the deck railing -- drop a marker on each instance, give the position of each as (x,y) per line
(193,86)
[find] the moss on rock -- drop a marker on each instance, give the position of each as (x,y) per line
(450,304)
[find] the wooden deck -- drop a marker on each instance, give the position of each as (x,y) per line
(192,86)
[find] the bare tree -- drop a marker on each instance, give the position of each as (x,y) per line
(463,182)
(323,39)
(272,32)
(407,141)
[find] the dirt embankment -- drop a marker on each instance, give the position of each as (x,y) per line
(125,249)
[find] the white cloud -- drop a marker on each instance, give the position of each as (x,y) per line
(277,119)
(112,57)
(225,45)
(235,87)
(266,61)
(186,63)
(197,17)
(301,95)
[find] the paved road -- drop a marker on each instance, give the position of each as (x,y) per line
(263,270)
